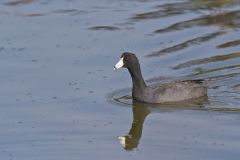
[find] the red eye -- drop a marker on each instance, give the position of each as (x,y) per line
(126,58)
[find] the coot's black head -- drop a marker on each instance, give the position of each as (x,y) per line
(127,60)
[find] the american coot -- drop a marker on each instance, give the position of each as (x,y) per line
(162,93)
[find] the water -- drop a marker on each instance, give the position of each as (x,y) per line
(61,99)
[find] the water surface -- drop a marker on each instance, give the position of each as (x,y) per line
(61,99)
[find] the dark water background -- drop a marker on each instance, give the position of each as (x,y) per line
(61,99)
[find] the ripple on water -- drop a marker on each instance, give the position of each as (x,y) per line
(120,97)
(186,44)
(104,28)
(19,2)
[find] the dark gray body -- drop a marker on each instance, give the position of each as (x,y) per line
(171,92)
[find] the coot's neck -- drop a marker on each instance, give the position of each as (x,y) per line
(137,79)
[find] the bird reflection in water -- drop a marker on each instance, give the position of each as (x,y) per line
(142,110)
(131,140)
